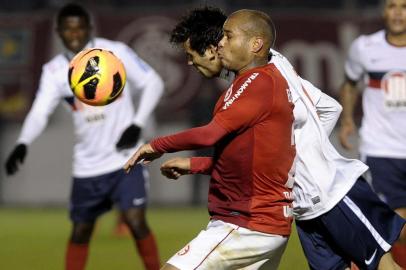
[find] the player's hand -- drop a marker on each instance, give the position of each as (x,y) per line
(129,138)
(16,157)
(347,128)
(145,153)
(175,167)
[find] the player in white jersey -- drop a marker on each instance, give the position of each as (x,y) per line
(333,206)
(379,59)
(105,137)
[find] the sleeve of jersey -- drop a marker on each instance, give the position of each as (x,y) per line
(195,138)
(45,102)
(312,91)
(248,103)
(328,109)
(353,65)
(201,165)
(141,77)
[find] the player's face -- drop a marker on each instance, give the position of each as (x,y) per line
(395,16)
(208,64)
(74,32)
(234,46)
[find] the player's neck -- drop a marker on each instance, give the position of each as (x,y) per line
(398,40)
(257,62)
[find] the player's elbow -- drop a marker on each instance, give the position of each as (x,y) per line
(158,84)
(338,108)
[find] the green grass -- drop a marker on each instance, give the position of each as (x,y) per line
(35,239)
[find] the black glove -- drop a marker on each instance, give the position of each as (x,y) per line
(129,138)
(17,156)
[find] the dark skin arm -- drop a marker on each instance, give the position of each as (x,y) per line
(348,99)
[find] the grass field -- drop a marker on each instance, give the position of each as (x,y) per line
(35,239)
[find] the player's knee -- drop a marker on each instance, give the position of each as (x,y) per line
(82,233)
(135,219)
(139,227)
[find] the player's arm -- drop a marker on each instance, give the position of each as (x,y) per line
(144,78)
(327,108)
(45,102)
(250,106)
(178,166)
(348,99)
(194,138)
(354,69)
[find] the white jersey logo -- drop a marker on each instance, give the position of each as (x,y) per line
(240,90)
(369,261)
(93,114)
(228,93)
(394,87)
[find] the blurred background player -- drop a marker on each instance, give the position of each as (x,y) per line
(321,197)
(105,137)
(251,174)
(380,60)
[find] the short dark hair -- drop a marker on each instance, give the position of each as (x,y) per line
(72,10)
(202,26)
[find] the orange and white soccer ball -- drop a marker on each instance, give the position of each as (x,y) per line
(96,76)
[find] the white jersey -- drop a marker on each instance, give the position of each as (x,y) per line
(97,129)
(323,177)
(383,68)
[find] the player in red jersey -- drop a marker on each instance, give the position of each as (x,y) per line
(251,177)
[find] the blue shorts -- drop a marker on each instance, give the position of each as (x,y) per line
(360,228)
(93,196)
(389,180)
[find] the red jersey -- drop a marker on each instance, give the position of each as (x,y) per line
(252,165)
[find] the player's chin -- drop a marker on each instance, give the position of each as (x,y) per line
(225,63)
(75,46)
(398,30)
(205,72)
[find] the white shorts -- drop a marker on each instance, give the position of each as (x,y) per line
(227,246)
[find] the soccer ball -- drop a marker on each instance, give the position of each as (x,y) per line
(96,76)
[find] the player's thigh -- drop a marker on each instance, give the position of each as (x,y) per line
(388,178)
(131,189)
(321,253)
(356,228)
(90,197)
(227,246)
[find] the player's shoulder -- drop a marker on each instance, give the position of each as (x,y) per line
(57,63)
(270,72)
(370,40)
(109,44)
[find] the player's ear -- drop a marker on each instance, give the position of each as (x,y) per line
(257,44)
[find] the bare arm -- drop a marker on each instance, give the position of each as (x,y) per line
(348,98)
(178,166)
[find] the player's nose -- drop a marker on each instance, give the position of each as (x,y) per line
(221,43)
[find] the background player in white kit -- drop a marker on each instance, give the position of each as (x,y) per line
(380,60)
(104,137)
(337,214)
